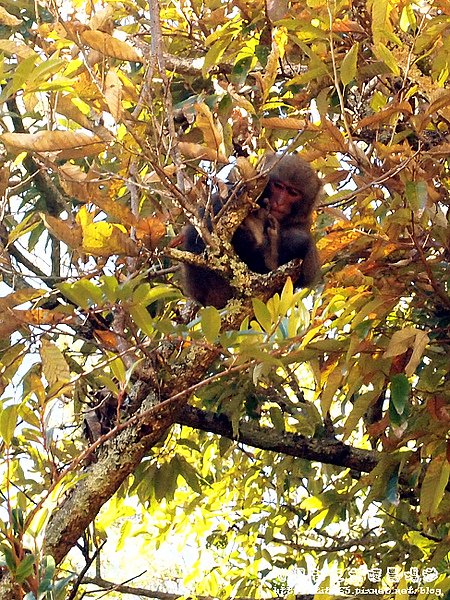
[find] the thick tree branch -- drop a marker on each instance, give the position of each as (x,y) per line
(117,459)
(326,450)
(135,591)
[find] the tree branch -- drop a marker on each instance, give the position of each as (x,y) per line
(135,591)
(327,450)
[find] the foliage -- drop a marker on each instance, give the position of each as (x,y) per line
(292,430)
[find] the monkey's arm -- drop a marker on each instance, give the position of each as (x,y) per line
(256,241)
(299,243)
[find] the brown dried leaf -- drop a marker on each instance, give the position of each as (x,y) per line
(8,323)
(22,50)
(212,132)
(75,182)
(199,152)
(54,365)
(271,70)
(50,141)
(113,94)
(110,46)
(65,106)
(7,19)
(246,169)
(4,180)
(382,116)
(336,135)
(277,9)
(153,176)
(20,297)
(69,233)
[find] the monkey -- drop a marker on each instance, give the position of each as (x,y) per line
(276,232)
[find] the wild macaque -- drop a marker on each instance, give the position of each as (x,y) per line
(272,235)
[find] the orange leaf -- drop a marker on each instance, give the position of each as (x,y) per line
(150,230)
(289,123)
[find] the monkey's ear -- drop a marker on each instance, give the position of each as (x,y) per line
(178,240)
(267,161)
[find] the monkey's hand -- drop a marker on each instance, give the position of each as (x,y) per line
(256,226)
(271,258)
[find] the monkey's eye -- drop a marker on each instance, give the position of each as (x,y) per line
(282,187)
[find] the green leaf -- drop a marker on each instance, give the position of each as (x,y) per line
(17,521)
(392,488)
(25,568)
(433,486)
(8,420)
(277,418)
(109,286)
(59,589)
(83,293)
(417,194)
(349,65)
(9,558)
(215,52)
(190,475)
(385,55)
(262,315)
(142,318)
(210,322)
(400,391)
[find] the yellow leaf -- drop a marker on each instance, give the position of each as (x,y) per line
(49,141)
(212,132)
(383,53)
(113,208)
(54,365)
(84,217)
(68,232)
(110,46)
(105,239)
(113,94)
(271,71)
(333,382)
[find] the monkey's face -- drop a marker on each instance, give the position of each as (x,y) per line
(283,199)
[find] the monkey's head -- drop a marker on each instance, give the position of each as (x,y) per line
(292,188)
